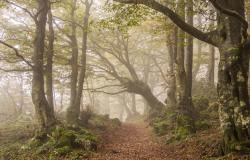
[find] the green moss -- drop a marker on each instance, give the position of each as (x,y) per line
(102,122)
(34,143)
(161,127)
(202,125)
(182,133)
(63,141)
(63,150)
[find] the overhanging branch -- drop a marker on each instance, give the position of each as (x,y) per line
(206,37)
(230,13)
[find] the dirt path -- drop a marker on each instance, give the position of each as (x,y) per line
(131,142)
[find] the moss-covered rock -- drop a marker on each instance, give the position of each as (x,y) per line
(116,122)
(102,122)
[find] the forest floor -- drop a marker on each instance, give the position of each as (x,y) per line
(133,142)
(136,142)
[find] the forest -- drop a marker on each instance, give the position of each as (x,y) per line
(124,80)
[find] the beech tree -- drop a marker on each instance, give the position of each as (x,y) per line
(77,77)
(129,79)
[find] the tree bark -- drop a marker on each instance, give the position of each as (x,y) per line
(171,46)
(186,118)
(43,111)
(22,95)
(73,111)
(84,54)
(199,53)
(234,109)
(146,72)
(189,56)
(211,63)
(211,66)
(49,66)
(77,81)
(141,88)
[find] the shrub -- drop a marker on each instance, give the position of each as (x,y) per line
(161,127)
(63,140)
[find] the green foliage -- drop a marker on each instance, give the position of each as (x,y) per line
(7,150)
(176,127)
(63,141)
(207,112)
(201,86)
(161,127)
(124,16)
(203,125)
(181,133)
(2,4)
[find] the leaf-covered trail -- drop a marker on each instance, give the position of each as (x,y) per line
(131,142)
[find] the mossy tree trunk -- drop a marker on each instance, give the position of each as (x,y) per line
(171,46)
(234,108)
(77,80)
(49,65)
(44,113)
(184,110)
(83,64)
(189,64)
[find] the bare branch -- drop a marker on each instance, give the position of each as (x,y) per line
(24,9)
(114,93)
(16,70)
(17,53)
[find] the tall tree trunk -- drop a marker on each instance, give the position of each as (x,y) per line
(84,54)
(211,66)
(22,95)
(146,71)
(133,104)
(248,20)
(123,103)
(62,98)
(199,53)
(171,45)
(211,63)
(185,118)
(107,106)
(73,111)
(189,55)
(43,111)
(49,66)
(234,109)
